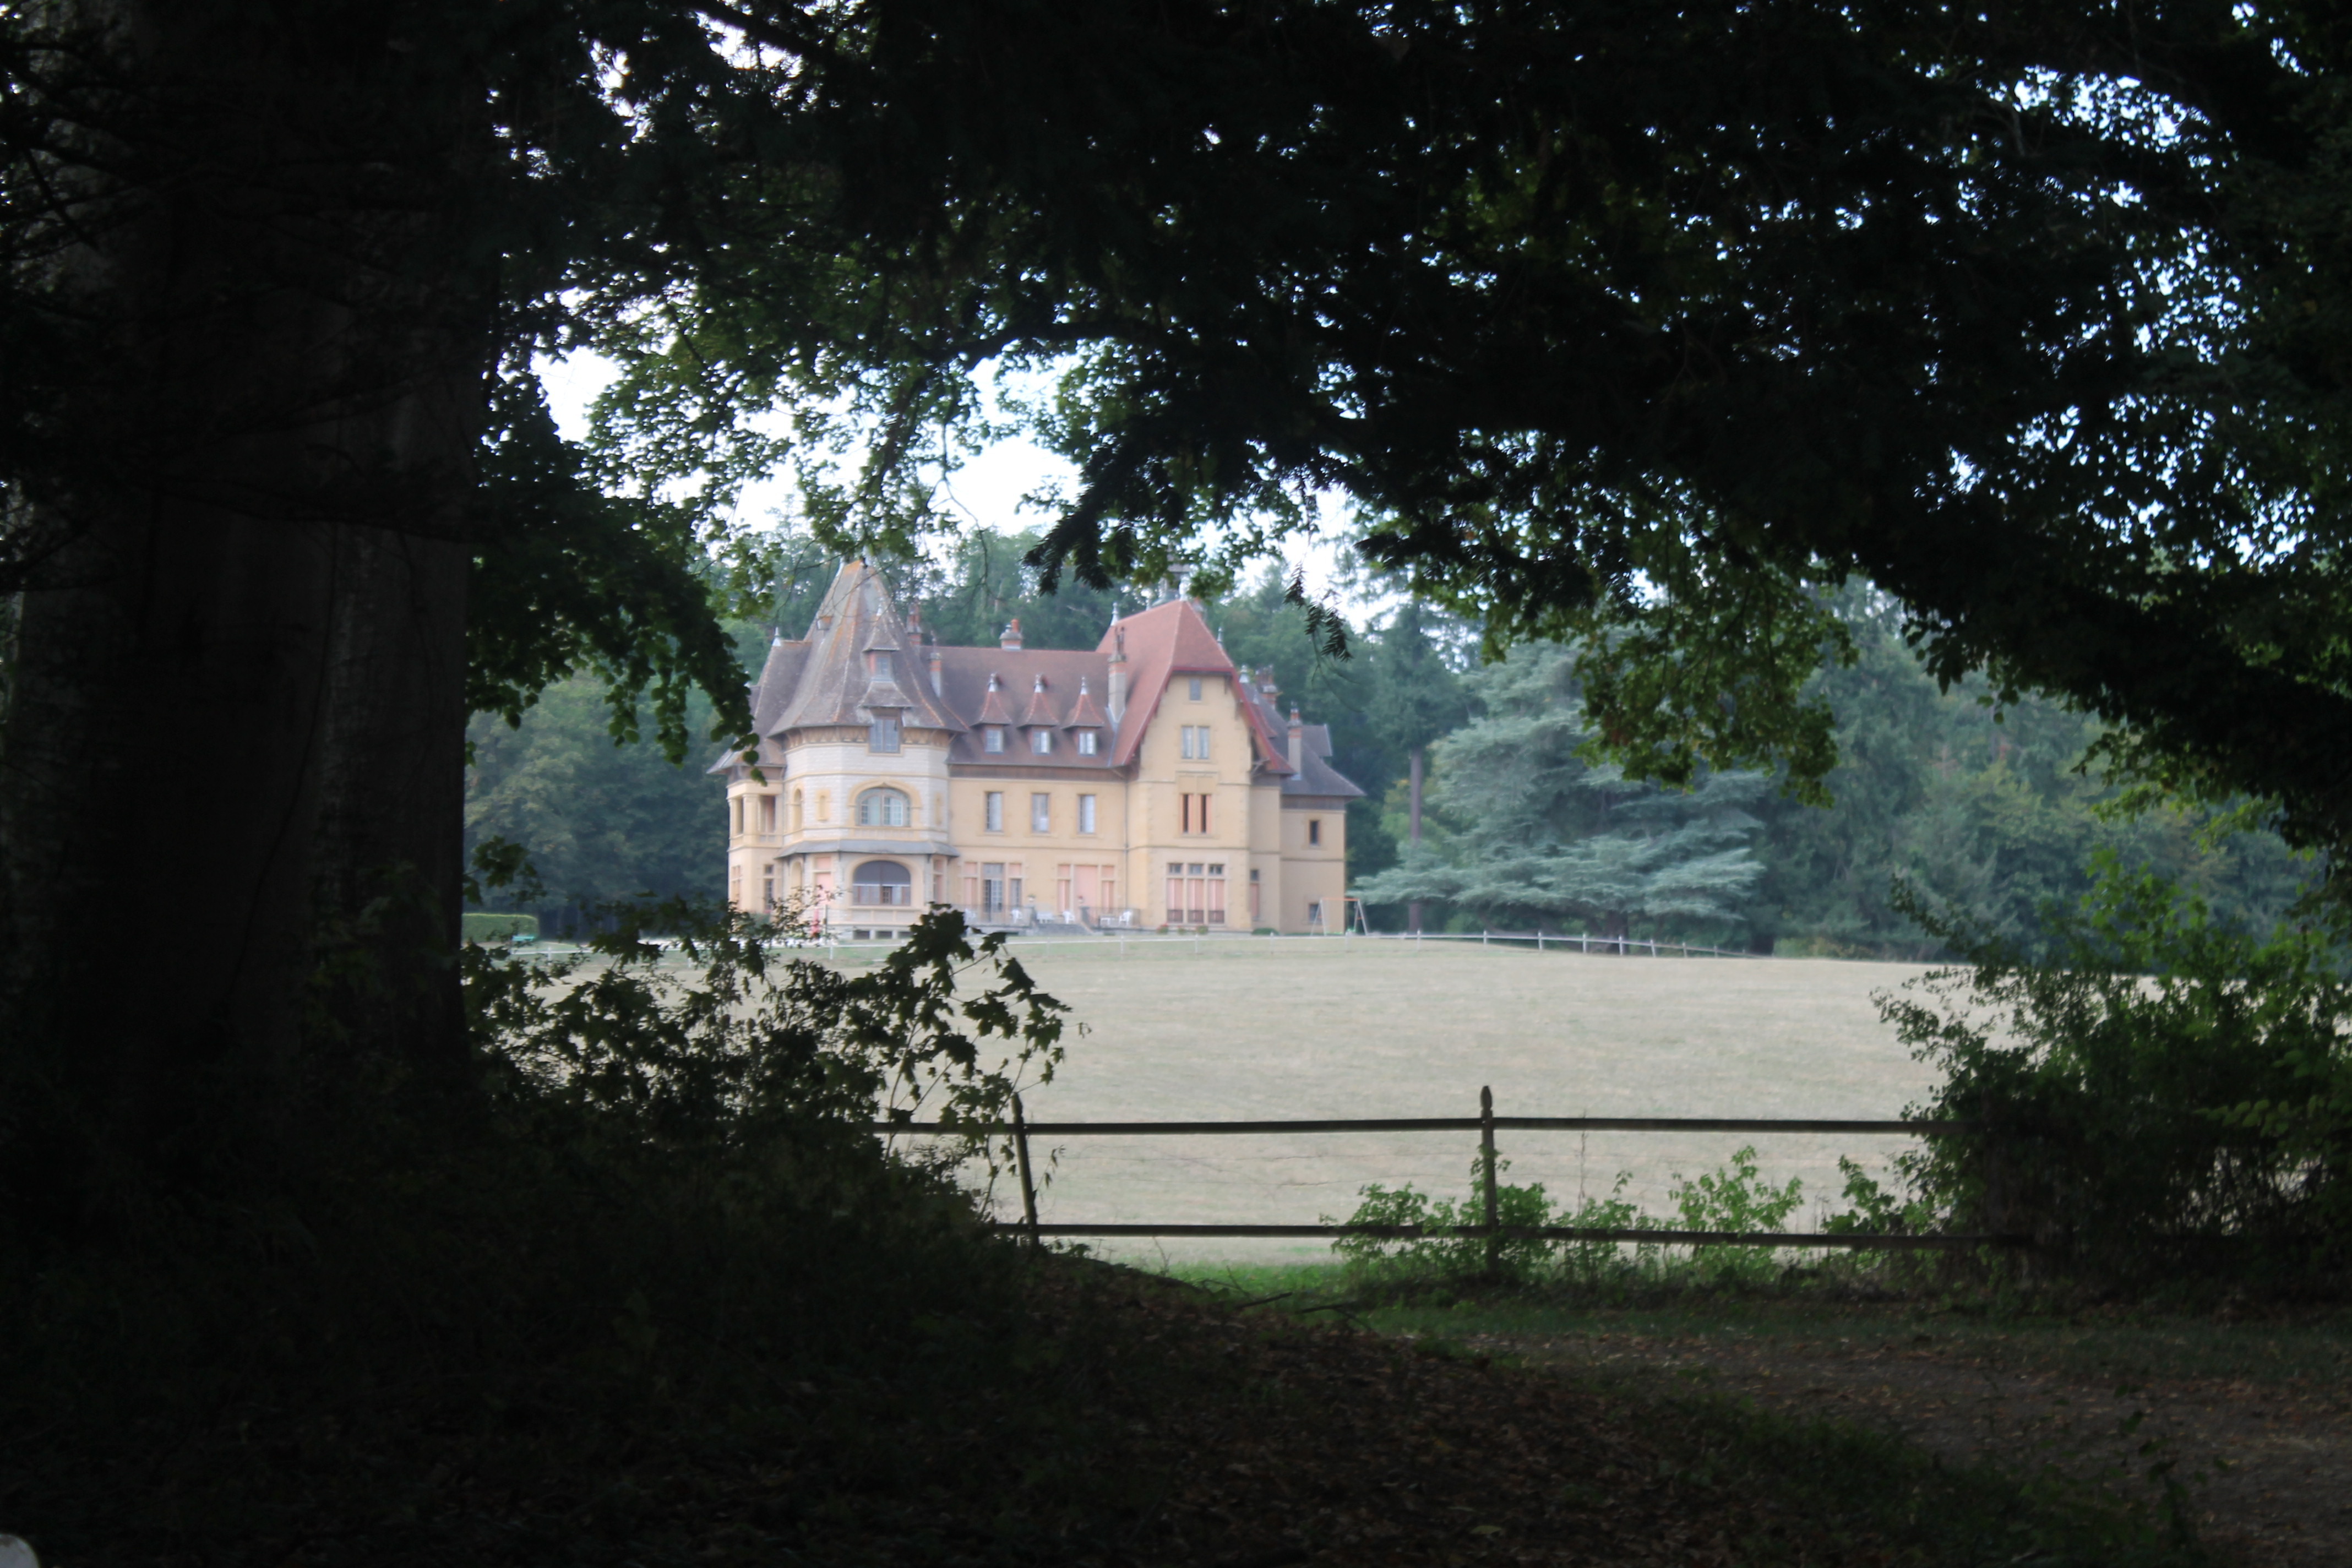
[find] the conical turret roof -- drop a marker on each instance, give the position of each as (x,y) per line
(852,673)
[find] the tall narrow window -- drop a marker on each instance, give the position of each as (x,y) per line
(1196,689)
(1088,740)
(1216,894)
(882,735)
(799,804)
(992,889)
(1041,814)
(996,811)
(1315,830)
(1195,809)
(1041,742)
(735,810)
(767,813)
(1086,814)
(991,738)
(1175,893)
(767,888)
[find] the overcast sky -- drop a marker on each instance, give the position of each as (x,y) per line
(987,489)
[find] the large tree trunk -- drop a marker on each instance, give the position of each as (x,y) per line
(230,803)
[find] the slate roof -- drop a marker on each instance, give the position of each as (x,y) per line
(836,684)
(963,680)
(1316,775)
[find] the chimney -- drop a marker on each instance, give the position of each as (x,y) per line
(1012,638)
(1117,706)
(938,688)
(1298,743)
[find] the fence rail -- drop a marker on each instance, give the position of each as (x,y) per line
(1485,1124)
(1429,1124)
(1145,937)
(1856,1240)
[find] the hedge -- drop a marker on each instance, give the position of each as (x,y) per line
(480,927)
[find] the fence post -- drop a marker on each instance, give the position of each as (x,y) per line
(1493,1204)
(1021,1160)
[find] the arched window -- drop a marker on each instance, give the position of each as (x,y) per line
(881,808)
(882,882)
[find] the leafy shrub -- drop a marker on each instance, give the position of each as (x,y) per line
(1441,1256)
(755,1044)
(477,926)
(1735,1198)
(1732,1198)
(2161,1092)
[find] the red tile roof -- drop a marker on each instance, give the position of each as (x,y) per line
(1165,641)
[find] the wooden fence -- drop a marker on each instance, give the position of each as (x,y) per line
(1485,1124)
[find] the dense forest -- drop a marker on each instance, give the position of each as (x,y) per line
(1984,807)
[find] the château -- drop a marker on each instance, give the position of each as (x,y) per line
(1147,782)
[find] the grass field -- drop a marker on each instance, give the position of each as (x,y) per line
(1335,1028)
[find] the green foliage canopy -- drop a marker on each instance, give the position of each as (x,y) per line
(1641,325)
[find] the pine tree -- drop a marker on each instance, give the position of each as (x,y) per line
(1545,836)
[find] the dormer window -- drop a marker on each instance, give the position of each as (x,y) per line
(882,735)
(991,738)
(881,666)
(1042,742)
(1089,743)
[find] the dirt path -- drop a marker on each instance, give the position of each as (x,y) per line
(2268,1466)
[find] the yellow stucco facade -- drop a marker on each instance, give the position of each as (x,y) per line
(1149,784)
